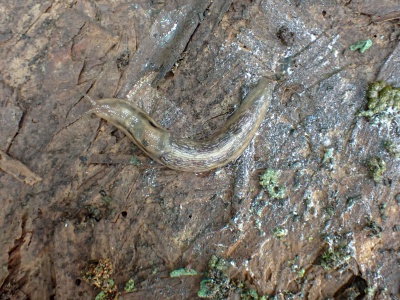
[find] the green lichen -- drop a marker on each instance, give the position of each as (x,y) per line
(333,258)
(383,103)
(129,286)
(279,232)
(208,289)
(182,272)
(301,272)
(250,295)
(218,284)
(99,274)
(338,252)
(361,45)
(376,167)
(101,296)
(391,148)
(294,267)
(369,292)
(373,229)
(328,156)
(218,263)
(269,181)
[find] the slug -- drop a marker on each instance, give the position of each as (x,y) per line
(182,153)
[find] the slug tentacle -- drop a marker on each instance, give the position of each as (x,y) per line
(185,154)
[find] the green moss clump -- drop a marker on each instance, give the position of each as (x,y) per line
(250,295)
(269,181)
(391,148)
(333,258)
(383,102)
(279,232)
(99,273)
(328,159)
(361,45)
(218,285)
(129,286)
(301,272)
(182,272)
(376,168)
(101,296)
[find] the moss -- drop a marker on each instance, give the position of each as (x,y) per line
(376,168)
(269,181)
(279,232)
(391,148)
(294,267)
(301,272)
(361,45)
(99,273)
(101,296)
(182,272)
(207,289)
(339,250)
(249,295)
(328,156)
(214,288)
(369,292)
(217,283)
(129,286)
(383,102)
(333,258)
(373,229)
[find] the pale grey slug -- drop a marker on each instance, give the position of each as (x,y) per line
(182,153)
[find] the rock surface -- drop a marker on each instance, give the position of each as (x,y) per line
(333,234)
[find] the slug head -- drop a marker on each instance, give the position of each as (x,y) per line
(134,122)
